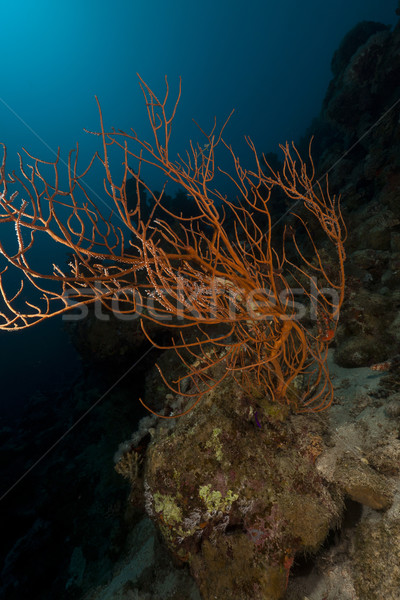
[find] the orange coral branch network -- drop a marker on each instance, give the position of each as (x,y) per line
(215,277)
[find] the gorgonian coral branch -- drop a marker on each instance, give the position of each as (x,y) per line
(213,274)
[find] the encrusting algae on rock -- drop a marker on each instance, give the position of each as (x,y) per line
(236,501)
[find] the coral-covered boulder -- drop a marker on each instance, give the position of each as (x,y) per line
(235,493)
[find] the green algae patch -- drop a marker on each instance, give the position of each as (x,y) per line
(215,443)
(214,501)
(167,505)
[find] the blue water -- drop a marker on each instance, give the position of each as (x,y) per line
(270,61)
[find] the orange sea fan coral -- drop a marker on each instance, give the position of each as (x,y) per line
(214,277)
